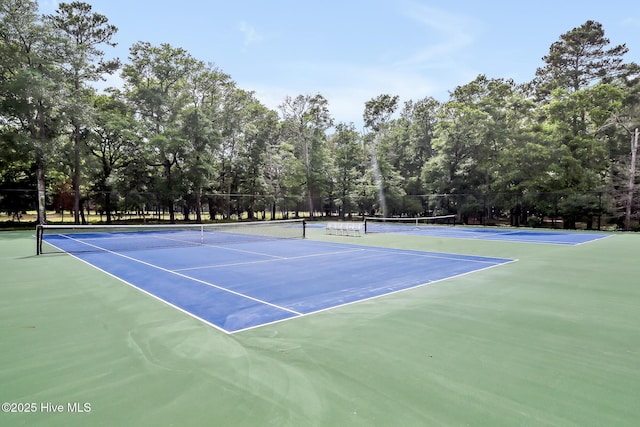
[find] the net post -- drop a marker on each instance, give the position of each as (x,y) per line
(39,232)
(304,228)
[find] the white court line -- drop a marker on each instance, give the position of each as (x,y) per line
(377,296)
(187,277)
(428,255)
(187,242)
(279,258)
(492,264)
(143,291)
(606,236)
(494,237)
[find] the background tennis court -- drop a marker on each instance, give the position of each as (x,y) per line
(551,237)
(549,340)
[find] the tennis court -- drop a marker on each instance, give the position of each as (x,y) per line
(549,340)
(414,227)
(239,279)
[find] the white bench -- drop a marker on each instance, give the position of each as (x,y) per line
(354,229)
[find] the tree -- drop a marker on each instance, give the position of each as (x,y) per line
(569,82)
(113,141)
(579,59)
(17,175)
(581,153)
(346,146)
(628,119)
(85,32)
(632,180)
(419,119)
(452,169)
(260,131)
(153,85)
(204,87)
(482,141)
(578,98)
(29,89)
(306,118)
(377,114)
(620,128)
(233,110)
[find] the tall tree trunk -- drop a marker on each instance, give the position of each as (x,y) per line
(107,204)
(632,180)
(228,201)
(198,206)
(273,209)
(310,201)
(42,195)
(167,172)
(76,174)
(40,165)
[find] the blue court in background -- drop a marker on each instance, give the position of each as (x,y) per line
(551,237)
(238,286)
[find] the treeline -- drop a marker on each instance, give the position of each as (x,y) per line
(181,134)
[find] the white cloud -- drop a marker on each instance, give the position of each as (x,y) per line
(452,33)
(630,22)
(432,67)
(347,86)
(251,36)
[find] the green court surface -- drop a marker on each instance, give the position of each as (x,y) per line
(550,340)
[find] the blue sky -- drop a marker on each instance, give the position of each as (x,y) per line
(352,51)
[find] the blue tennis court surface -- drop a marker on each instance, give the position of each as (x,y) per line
(491,233)
(242,285)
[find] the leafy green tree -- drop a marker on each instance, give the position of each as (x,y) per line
(479,138)
(409,140)
(204,87)
(418,121)
(457,135)
(114,142)
(621,133)
(233,118)
(85,32)
(29,85)
(260,131)
(377,115)
(17,176)
(306,119)
(442,172)
(278,155)
(578,99)
(346,146)
(579,59)
(582,154)
(153,85)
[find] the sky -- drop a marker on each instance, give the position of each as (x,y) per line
(351,51)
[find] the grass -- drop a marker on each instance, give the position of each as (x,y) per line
(550,340)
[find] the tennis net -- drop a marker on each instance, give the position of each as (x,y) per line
(90,238)
(391,225)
